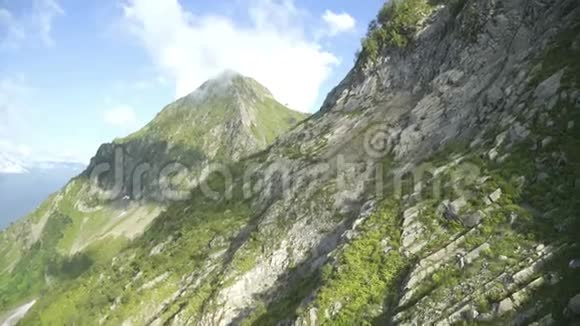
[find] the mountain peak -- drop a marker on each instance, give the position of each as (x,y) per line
(231,107)
(227,83)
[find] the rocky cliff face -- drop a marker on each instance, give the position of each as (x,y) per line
(438,185)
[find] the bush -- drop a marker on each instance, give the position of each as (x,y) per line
(394,26)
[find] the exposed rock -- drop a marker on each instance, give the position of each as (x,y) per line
(472,219)
(470,314)
(483,180)
(513,218)
(216,242)
(442,207)
(367,209)
(475,253)
(492,154)
(546,141)
(430,264)
(527,273)
(523,295)
(570,124)
(159,248)
(504,307)
(518,132)
(575,263)
(335,308)
(313,313)
(409,215)
(547,89)
(13,317)
(501,138)
(155,281)
(386,247)
(453,209)
(411,234)
(493,197)
(494,95)
(543,176)
(574,305)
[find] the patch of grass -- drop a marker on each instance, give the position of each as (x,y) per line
(364,276)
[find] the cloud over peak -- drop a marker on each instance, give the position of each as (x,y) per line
(271,47)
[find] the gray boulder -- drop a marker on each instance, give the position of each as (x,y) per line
(518,132)
(547,141)
(493,197)
(574,305)
(548,88)
(451,210)
(504,307)
(472,220)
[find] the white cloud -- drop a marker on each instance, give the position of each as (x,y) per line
(271,47)
(45,12)
(338,23)
(11,90)
(121,116)
(34,24)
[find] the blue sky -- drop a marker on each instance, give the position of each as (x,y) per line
(75,74)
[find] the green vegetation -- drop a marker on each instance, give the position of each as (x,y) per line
(187,234)
(204,120)
(40,262)
(398,20)
(394,26)
(273,119)
(366,273)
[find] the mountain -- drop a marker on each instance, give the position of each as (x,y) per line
(437,185)
(125,186)
(227,118)
(23,191)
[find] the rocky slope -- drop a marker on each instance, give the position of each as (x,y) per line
(130,181)
(439,184)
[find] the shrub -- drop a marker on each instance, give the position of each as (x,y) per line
(394,26)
